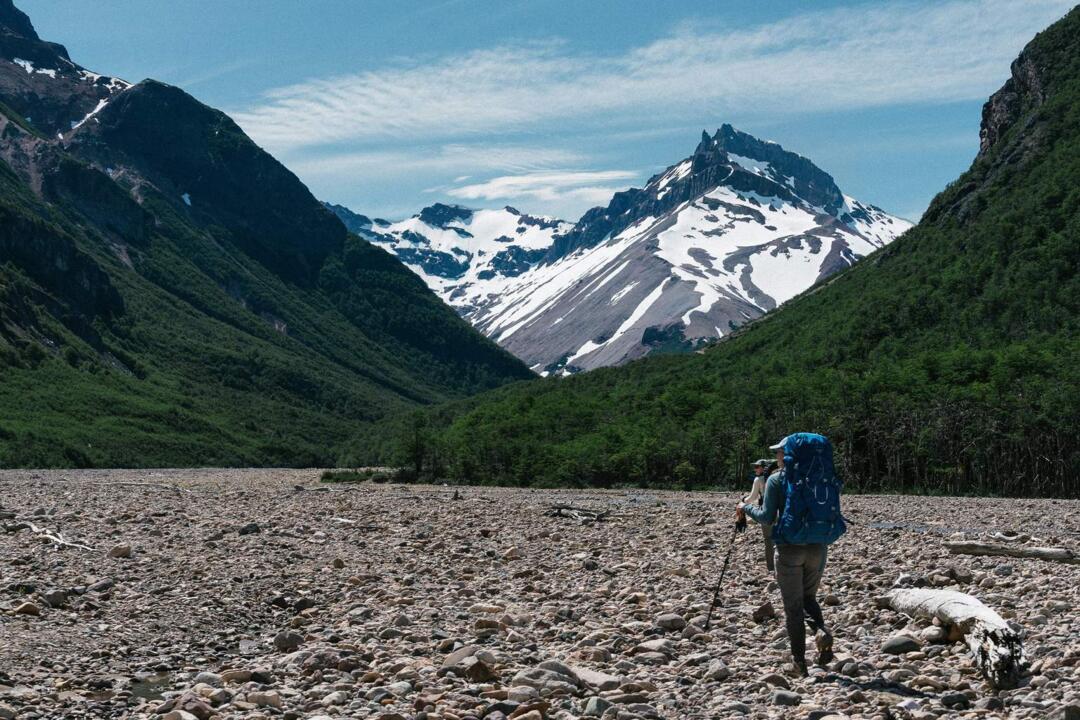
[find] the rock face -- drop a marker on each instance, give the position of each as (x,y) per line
(736,229)
(243,626)
(1021,92)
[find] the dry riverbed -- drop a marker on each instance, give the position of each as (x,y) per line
(264,594)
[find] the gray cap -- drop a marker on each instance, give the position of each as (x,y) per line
(763,462)
(779,445)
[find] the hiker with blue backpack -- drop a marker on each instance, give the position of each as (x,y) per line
(802,503)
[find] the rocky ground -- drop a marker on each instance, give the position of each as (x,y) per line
(264,594)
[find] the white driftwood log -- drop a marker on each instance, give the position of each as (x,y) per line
(57,537)
(996,648)
(1054,554)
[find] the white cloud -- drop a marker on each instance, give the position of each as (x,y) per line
(592,187)
(450,158)
(865,56)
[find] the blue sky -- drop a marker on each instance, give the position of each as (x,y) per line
(389,105)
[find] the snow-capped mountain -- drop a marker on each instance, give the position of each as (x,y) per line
(466,256)
(716,240)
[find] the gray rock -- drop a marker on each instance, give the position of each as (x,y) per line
(594,678)
(717,670)
(596,706)
(778,680)
(764,612)
(956,701)
(546,682)
(120,551)
(101,585)
(338,697)
(249,529)
(786,697)
(288,640)
(55,598)
(994,703)
(208,678)
(476,670)
(900,644)
(671,621)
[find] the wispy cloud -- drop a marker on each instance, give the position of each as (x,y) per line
(452,157)
(865,56)
(549,187)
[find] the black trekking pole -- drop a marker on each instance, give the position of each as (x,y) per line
(740,525)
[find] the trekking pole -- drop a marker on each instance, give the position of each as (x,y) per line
(723,571)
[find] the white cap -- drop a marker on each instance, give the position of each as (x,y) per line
(780,444)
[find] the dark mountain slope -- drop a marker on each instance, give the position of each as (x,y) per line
(171,295)
(947,361)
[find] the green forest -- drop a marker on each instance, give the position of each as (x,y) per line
(150,334)
(946,362)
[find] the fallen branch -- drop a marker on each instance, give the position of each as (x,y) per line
(353,525)
(996,647)
(582,514)
(1053,554)
(57,538)
(156,486)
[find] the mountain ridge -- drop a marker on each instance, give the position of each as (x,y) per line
(170,294)
(663,268)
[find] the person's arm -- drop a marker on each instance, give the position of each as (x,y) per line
(755,491)
(766,514)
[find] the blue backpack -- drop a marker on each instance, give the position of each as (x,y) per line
(811,512)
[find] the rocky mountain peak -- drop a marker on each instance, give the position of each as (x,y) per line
(729,158)
(19,41)
(14,21)
(440,214)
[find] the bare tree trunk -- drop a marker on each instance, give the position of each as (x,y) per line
(1053,554)
(996,648)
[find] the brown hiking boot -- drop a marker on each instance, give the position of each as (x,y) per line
(823,640)
(799,668)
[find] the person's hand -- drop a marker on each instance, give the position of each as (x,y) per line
(740,519)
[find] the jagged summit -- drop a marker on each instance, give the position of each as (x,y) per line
(14,21)
(730,158)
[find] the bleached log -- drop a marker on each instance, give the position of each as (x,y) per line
(57,538)
(1054,554)
(153,486)
(581,514)
(996,647)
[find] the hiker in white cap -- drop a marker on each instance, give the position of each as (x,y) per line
(757,497)
(802,503)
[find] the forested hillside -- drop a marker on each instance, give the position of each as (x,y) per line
(172,295)
(945,362)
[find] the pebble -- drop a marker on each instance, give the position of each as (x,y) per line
(288,640)
(120,551)
(27,608)
(900,644)
(671,621)
(786,697)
